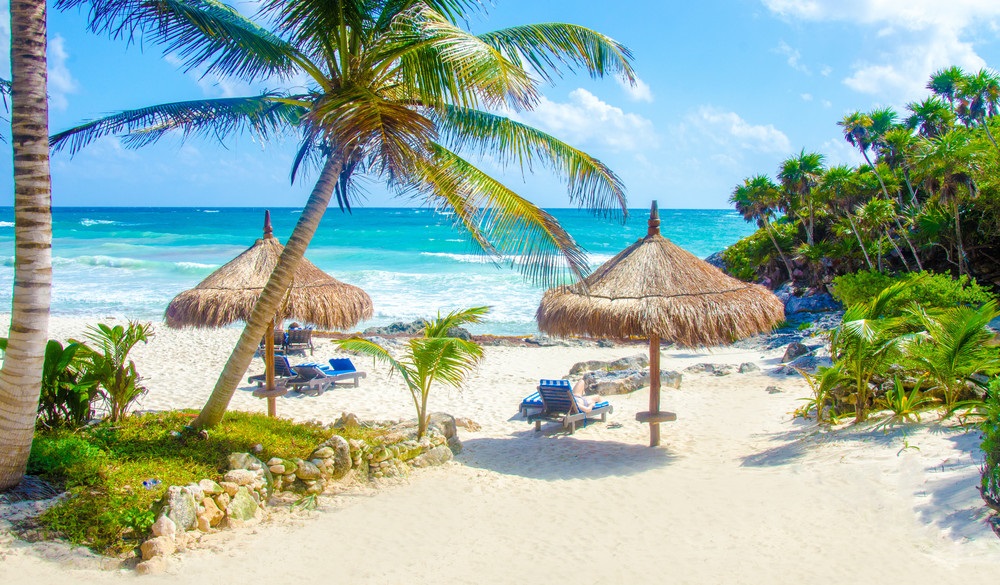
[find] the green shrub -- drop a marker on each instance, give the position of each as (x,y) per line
(745,257)
(107,365)
(991,446)
(927,289)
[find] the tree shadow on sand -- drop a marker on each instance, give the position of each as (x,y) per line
(950,497)
(559,456)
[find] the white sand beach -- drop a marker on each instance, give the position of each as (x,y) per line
(739,491)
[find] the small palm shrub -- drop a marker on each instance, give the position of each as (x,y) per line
(904,406)
(107,364)
(990,426)
(433,357)
(927,289)
(66,397)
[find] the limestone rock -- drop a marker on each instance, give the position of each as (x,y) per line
(723,369)
(324,451)
(222,500)
(154,566)
(468,424)
(818,303)
(240,476)
(794,350)
(243,507)
(748,367)
(773,390)
(306,470)
(445,423)
(212,513)
(210,487)
(164,526)
(244,461)
(435,456)
(157,547)
(181,507)
(341,455)
(347,420)
(809,363)
(230,488)
(635,362)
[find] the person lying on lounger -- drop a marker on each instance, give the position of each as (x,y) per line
(585,403)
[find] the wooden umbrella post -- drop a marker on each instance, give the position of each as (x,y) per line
(654,390)
(272,407)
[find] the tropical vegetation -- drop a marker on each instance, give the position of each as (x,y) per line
(397,90)
(925,199)
(436,356)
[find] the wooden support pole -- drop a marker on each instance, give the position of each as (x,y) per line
(272,407)
(654,389)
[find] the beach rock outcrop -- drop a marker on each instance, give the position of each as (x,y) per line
(718,261)
(793,351)
(180,507)
(633,362)
(817,303)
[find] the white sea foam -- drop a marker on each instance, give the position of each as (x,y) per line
(89,222)
(210,211)
(6,224)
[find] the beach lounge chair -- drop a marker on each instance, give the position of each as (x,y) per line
(279,342)
(299,340)
(307,376)
(559,404)
(339,370)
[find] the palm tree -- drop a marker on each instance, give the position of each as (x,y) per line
(435,356)
(842,197)
(979,99)
(799,175)
(757,200)
(397,90)
(930,117)
(955,346)
(21,375)
(944,83)
(947,164)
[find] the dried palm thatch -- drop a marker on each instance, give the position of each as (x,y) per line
(228,294)
(655,289)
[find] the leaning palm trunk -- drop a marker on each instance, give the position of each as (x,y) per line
(21,375)
(271,297)
(857,236)
(962,268)
(902,234)
(788,265)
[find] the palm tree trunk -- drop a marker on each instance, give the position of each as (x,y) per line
(788,265)
(21,375)
(864,251)
(989,134)
(885,192)
(272,296)
(422,414)
(962,268)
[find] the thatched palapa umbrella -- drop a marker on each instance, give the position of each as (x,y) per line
(657,290)
(228,295)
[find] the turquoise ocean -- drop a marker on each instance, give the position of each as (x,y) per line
(121,261)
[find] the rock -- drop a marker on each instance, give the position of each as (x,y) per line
(180,507)
(459,332)
(723,369)
(397,328)
(341,455)
(157,546)
(222,500)
(347,420)
(196,492)
(314,487)
(468,424)
(793,351)
(818,303)
(306,470)
(243,507)
(748,367)
(212,513)
(204,525)
(785,292)
(773,390)
(248,461)
(616,382)
(277,469)
(240,476)
(635,362)
(718,261)
(809,363)
(229,488)
(154,566)
(210,487)
(445,423)
(700,369)
(323,451)
(164,526)
(436,456)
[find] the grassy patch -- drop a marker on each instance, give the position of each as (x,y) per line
(103,467)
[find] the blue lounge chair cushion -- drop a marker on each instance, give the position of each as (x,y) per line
(342,366)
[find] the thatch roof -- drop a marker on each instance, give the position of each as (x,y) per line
(228,294)
(654,287)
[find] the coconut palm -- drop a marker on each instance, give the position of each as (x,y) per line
(757,200)
(955,346)
(799,175)
(21,374)
(842,197)
(434,357)
(396,90)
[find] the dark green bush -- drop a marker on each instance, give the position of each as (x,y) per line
(991,446)
(745,258)
(929,290)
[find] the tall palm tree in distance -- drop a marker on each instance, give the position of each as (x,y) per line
(799,175)
(945,82)
(757,200)
(979,99)
(398,90)
(21,375)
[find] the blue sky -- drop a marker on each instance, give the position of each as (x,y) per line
(728,89)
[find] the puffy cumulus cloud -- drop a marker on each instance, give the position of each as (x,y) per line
(731,130)
(920,36)
(586,120)
(839,152)
(640,92)
(61,82)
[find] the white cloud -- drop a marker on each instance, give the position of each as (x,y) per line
(639,92)
(586,120)
(826,71)
(839,152)
(729,129)
(792,56)
(806,97)
(920,37)
(61,82)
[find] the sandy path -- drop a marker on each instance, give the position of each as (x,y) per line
(738,493)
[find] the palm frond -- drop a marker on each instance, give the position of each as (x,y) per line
(439,327)
(454,10)
(208,35)
(442,63)
(445,359)
(548,47)
(519,231)
(378,353)
(262,115)
(589,181)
